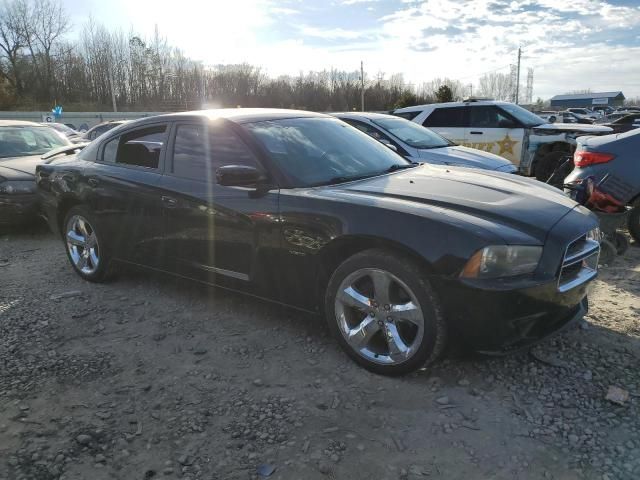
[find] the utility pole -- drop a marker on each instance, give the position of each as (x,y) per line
(517,99)
(361,85)
(113,91)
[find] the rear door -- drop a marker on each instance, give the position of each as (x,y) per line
(121,189)
(450,122)
(493,130)
(214,232)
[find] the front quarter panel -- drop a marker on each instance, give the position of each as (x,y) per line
(312,224)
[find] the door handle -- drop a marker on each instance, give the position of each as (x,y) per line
(93,182)
(169,202)
(475,132)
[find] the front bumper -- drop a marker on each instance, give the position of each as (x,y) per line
(18,209)
(501,320)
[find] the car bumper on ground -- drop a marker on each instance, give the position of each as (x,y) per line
(18,209)
(500,320)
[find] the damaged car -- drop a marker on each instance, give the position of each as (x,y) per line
(533,144)
(22,145)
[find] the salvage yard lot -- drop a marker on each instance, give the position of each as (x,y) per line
(155,377)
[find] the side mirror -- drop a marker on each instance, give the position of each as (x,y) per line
(239,176)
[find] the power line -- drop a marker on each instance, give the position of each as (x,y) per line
(492,70)
(484,73)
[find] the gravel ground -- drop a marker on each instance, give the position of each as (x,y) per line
(154,377)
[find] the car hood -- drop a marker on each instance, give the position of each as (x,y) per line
(574,127)
(495,201)
(467,157)
(19,168)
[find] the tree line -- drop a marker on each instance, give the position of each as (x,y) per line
(104,69)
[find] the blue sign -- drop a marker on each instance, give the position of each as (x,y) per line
(57,111)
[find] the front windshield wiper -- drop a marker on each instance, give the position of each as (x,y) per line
(431,147)
(396,167)
(343,179)
(353,178)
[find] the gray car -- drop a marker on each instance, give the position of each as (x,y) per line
(419,144)
(613,162)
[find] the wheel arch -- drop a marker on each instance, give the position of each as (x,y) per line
(547,148)
(65,204)
(338,250)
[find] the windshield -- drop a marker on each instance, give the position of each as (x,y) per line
(24,141)
(411,133)
(321,151)
(524,116)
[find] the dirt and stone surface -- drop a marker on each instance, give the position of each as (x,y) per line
(151,377)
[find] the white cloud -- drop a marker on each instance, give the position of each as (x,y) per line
(571,44)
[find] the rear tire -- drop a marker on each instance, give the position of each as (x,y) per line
(86,247)
(634,221)
(608,252)
(384,314)
(621,242)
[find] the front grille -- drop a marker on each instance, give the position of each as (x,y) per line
(580,263)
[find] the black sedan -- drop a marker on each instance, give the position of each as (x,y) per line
(21,147)
(305,210)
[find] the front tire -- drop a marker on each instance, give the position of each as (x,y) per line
(547,165)
(384,314)
(86,246)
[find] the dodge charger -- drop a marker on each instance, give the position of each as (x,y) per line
(302,209)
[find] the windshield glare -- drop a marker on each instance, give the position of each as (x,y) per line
(317,151)
(25,141)
(525,116)
(411,133)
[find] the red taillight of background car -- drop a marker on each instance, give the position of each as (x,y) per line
(583,158)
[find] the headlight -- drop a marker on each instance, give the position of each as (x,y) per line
(594,234)
(17,187)
(502,261)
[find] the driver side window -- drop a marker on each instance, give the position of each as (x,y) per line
(199,151)
(490,117)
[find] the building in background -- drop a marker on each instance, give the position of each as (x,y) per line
(587,100)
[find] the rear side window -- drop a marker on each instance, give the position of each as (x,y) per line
(447,117)
(140,148)
(406,115)
(198,151)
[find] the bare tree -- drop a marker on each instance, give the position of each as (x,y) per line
(496,86)
(12,41)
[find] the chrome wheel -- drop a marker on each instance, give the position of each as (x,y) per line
(82,244)
(379,316)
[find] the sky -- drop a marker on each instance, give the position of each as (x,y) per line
(570,44)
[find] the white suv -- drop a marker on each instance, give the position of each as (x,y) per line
(531,143)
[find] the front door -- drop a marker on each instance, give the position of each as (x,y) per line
(213,232)
(495,131)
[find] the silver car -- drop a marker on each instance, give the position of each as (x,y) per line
(419,144)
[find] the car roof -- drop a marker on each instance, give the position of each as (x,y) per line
(19,123)
(363,115)
(429,106)
(239,115)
